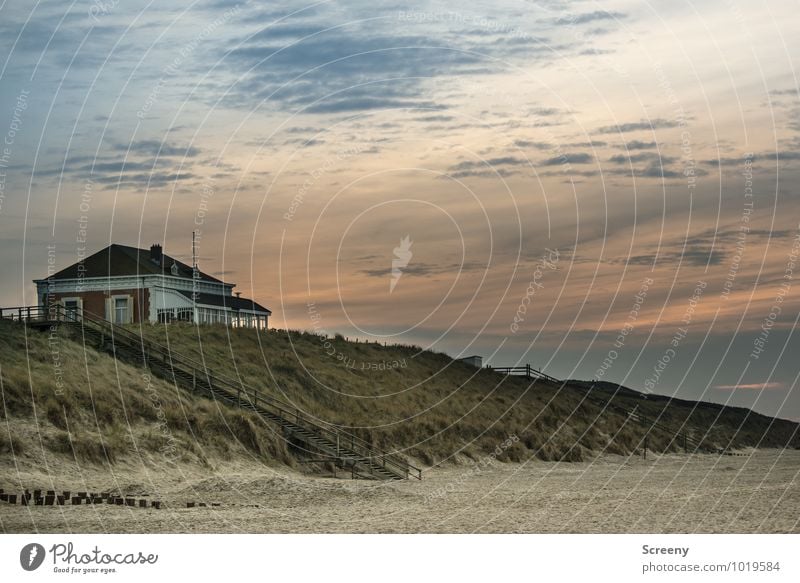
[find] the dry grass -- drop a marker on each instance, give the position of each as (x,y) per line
(97,410)
(94,409)
(435,408)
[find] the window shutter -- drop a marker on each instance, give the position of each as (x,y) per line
(109,310)
(130,310)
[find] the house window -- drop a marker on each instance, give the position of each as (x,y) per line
(121,310)
(165,316)
(185,314)
(72,308)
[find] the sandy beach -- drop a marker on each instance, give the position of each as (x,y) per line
(754,492)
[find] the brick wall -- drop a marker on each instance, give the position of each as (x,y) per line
(95,301)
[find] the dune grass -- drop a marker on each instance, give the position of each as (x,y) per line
(424,404)
(86,405)
(434,407)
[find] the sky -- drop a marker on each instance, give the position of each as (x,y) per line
(604,190)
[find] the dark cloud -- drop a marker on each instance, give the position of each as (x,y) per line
(143,180)
(114,171)
(500,161)
(641,157)
(577,158)
(696,256)
(425,269)
(490,167)
(332,61)
(304,143)
(343,70)
(653,170)
(532,144)
(117,166)
(544,111)
(440,118)
(364,103)
(652,124)
(285,31)
(572,174)
(304,130)
(765,156)
(486,173)
(156,148)
(725,235)
(589,144)
(86,166)
(638,145)
(590,17)
(708,247)
(657,170)
(727,161)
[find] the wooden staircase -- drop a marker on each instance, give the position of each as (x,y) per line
(313,438)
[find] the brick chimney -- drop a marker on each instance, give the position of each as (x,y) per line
(156,254)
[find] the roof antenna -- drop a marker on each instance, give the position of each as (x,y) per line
(194,254)
(195,275)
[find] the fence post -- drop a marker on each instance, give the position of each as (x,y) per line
(645,447)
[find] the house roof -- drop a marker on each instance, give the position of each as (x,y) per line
(121,260)
(233,302)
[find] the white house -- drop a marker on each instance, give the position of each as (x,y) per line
(128,285)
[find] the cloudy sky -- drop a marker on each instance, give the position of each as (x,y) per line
(604,190)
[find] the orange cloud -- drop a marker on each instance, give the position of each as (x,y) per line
(750,387)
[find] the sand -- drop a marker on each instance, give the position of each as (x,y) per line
(751,493)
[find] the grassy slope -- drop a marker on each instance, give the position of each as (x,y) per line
(437,407)
(92,408)
(433,408)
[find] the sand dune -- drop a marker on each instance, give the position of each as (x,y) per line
(756,492)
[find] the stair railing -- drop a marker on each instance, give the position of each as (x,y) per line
(233,387)
(526,371)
